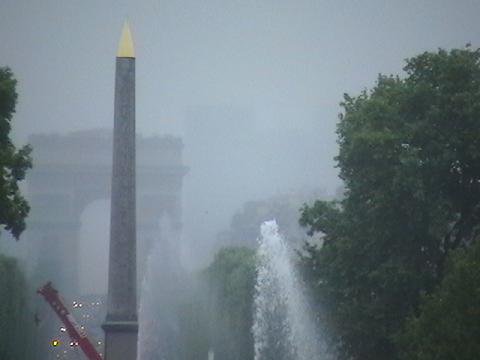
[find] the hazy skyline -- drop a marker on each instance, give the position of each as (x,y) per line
(273,71)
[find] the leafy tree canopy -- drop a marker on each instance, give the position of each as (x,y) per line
(13,162)
(16,331)
(409,158)
(231,278)
(448,326)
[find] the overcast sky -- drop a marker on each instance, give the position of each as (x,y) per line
(252,86)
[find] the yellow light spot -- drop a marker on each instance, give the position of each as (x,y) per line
(55,342)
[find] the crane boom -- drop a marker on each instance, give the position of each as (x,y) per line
(76,333)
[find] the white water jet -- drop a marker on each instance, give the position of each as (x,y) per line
(284,327)
(158,328)
(148,324)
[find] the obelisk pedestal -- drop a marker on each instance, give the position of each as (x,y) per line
(121,325)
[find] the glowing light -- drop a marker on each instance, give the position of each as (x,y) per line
(55,342)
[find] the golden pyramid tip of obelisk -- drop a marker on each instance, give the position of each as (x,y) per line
(125,47)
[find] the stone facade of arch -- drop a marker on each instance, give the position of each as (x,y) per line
(70,172)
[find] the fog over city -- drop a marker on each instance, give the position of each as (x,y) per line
(252,88)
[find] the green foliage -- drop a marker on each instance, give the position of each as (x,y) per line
(15,324)
(448,326)
(13,162)
(409,158)
(231,279)
(194,330)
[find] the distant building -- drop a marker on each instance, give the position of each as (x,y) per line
(244,228)
(70,172)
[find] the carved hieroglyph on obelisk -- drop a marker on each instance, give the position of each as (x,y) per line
(121,325)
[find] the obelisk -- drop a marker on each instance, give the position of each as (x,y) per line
(121,325)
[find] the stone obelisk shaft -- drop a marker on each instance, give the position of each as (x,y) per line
(121,326)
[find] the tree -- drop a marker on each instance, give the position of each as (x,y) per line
(448,324)
(231,278)
(13,163)
(16,320)
(409,158)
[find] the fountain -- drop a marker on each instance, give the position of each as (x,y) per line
(283,327)
(158,330)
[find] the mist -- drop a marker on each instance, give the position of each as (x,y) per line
(251,88)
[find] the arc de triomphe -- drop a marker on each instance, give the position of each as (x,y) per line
(72,171)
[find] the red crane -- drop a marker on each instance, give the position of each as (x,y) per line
(76,333)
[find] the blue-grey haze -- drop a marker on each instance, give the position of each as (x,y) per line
(252,86)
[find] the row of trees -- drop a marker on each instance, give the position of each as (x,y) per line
(398,273)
